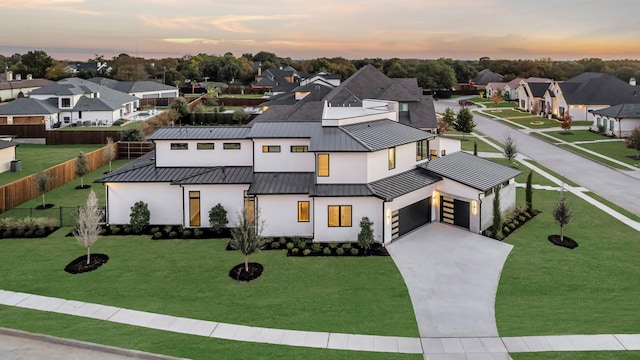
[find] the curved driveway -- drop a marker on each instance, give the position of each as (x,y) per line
(452,276)
(616,186)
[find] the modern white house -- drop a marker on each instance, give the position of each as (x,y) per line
(77,102)
(314,179)
(141,89)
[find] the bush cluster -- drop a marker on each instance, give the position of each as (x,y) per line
(26,227)
(297,246)
(512,221)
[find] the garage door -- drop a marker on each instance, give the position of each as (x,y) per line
(21,120)
(410,217)
(454,211)
(3,120)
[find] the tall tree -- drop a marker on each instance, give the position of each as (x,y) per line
(464,121)
(36,63)
(510,150)
(529,191)
(497,214)
(87,230)
(81,168)
(43,179)
(562,214)
(435,75)
(365,236)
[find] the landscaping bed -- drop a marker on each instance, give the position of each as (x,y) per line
(28,227)
(512,222)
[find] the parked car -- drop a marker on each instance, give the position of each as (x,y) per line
(465,102)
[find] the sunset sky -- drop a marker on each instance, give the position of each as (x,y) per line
(426,29)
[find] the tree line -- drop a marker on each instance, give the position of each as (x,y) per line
(438,74)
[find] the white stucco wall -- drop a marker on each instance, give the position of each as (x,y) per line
(378,162)
(163,200)
(456,190)
(166,157)
(582,112)
(104,117)
(449,145)
(285,160)
(6,156)
(507,203)
(346,168)
(280,213)
(371,207)
(403,201)
(231,197)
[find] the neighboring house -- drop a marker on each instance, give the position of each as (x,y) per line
(321,77)
(142,89)
(82,102)
(531,95)
(315,91)
(88,67)
(617,120)
(30,111)
(495,88)
(277,81)
(314,179)
(486,76)
(7,152)
(13,87)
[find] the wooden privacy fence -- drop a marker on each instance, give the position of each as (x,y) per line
(24,130)
(25,189)
(76,137)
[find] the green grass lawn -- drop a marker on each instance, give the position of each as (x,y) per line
(37,157)
(522,178)
(364,295)
(467,145)
(547,290)
(579,150)
(578,355)
(616,150)
(130,125)
(551,172)
(502,104)
(167,343)
(576,135)
(505,113)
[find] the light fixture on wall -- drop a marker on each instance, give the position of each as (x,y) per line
(388,216)
(474,207)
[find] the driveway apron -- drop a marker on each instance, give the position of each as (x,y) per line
(452,276)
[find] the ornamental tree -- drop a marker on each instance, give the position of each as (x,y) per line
(464,121)
(140,217)
(43,179)
(510,149)
(246,236)
(81,167)
(562,214)
(109,152)
(218,218)
(365,236)
(633,141)
(87,230)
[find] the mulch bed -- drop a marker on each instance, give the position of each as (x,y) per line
(80,187)
(45,206)
(79,265)
(567,242)
(238,272)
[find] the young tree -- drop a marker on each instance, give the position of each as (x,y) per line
(181,106)
(496,98)
(218,218)
(365,236)
(140,216)
(464,121)
(497,215)
(529,192)
(43,180)
(81,168)
(87,230)
(510,149)
(633,141)
(566,121)
(449,116)
(109,152)
(443,125)
(475,148)
(562,214)
(246,236)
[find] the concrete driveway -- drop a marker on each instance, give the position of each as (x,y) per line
(452,276)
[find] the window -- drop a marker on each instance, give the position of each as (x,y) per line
(392,158)
(231,146)
(65,102)
(206,146)
(421,149)
(443,152)
(194,208)
(303,211)
(611,124)
(560,111)
(79,114)
(599,122)
(299,148)
(323,164)
(271,148)
(179,146)
(522,103)
(433,154)
(404,107)
(339,215)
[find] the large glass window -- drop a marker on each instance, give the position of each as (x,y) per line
(339,216)
(231,146)
(206,146)
(392,158)
(612,124)
(433,154)
(299,148)
(422,147)
(271,148)
(65,102)
(323,164)
(303,211)
(179,146)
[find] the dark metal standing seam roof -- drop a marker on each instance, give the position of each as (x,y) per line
(382,134)
(218,175)
(397,185)
(200,133)
(285,129)
(471,170)
(4,144)
(273,183)
(341,190)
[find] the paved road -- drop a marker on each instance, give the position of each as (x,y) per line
(614,185)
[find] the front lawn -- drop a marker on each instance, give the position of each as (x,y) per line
(617,150)
(189,278)
(168,343)
(578,355)
(548,290)
(37,157)
(576,135)
(581,151)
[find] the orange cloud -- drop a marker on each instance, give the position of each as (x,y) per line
(72,6)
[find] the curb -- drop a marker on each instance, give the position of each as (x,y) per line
(134,354)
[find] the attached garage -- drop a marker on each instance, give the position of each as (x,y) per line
(410,217)
(22,120)
(454,211)
(3,120)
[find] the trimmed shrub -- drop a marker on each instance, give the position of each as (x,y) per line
(290,245)
(339,251)
(295,251)
(186,233)
(140,217)
(354,251)
(316,247)
(326,251)
(157,235)
(282,241)
(346,246)
(115,229)
(306,252)
(197,232)
(173,234)
(275,245)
